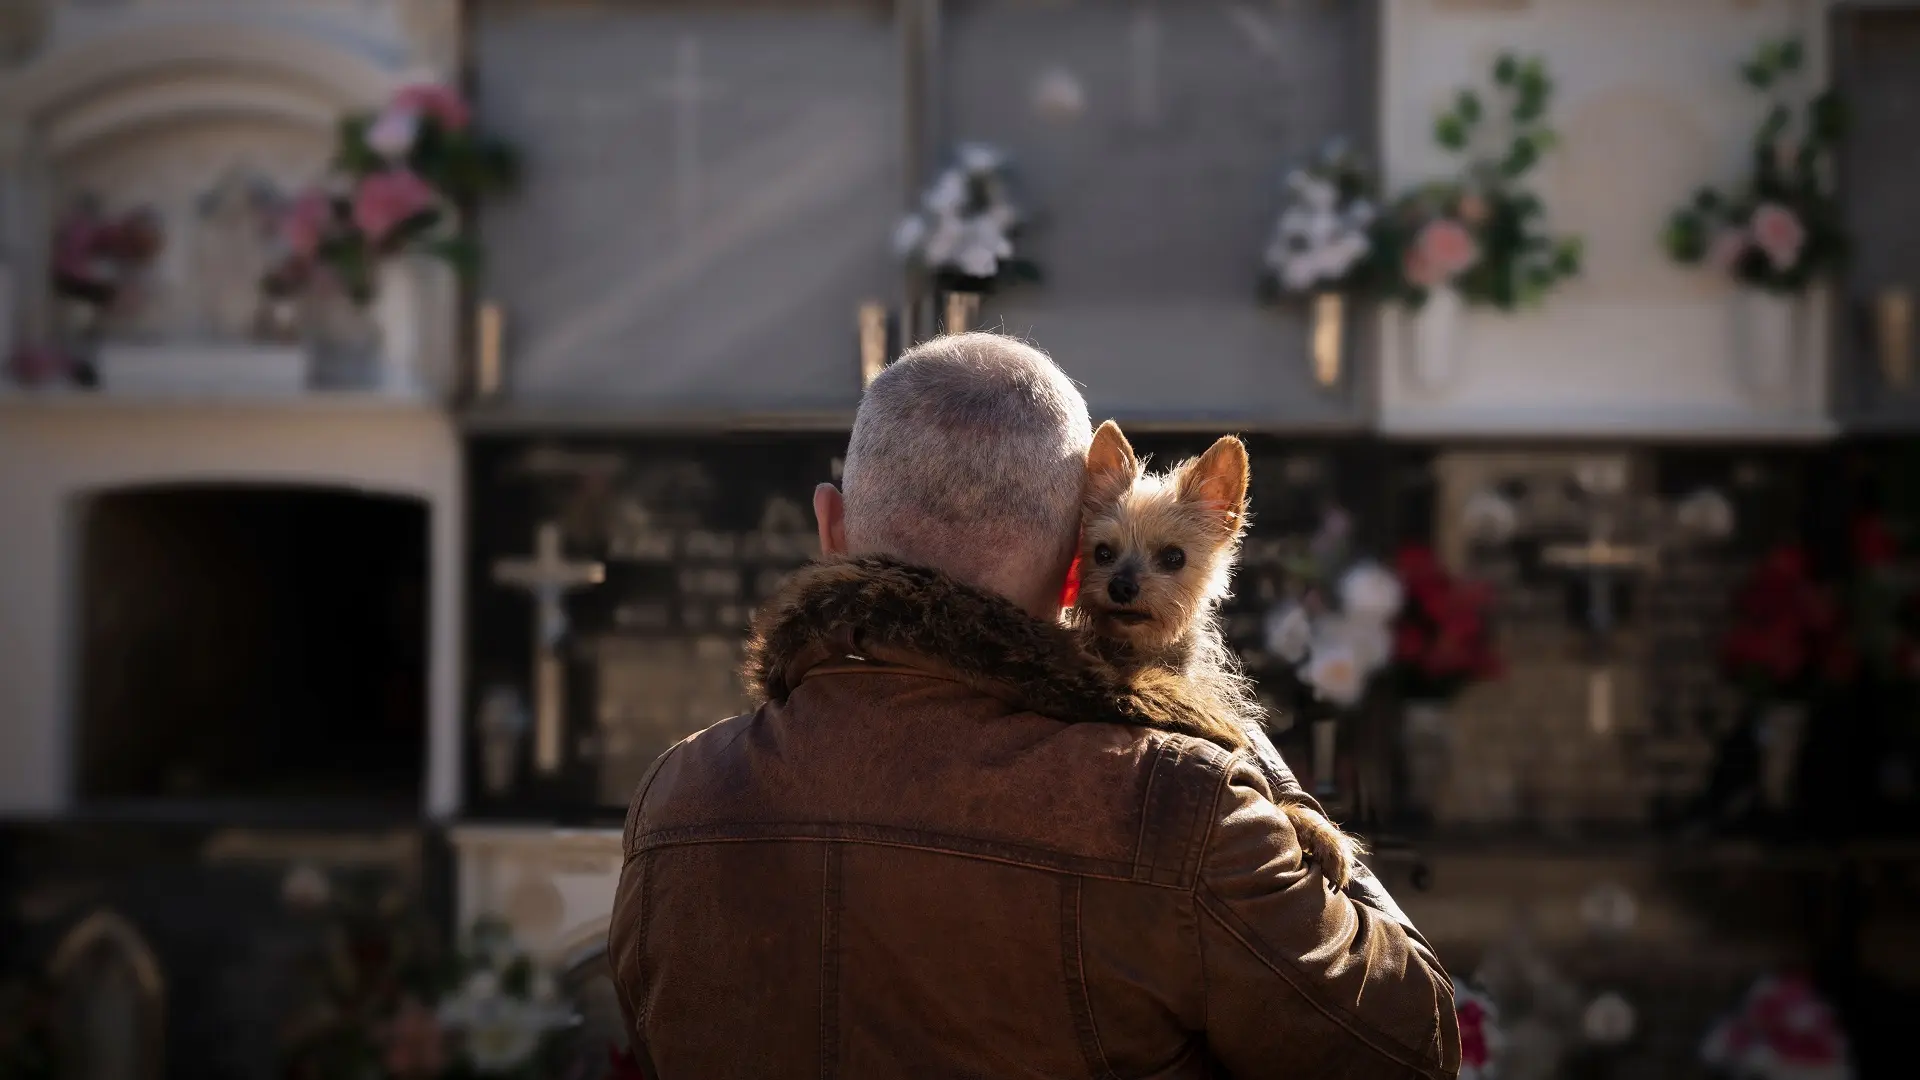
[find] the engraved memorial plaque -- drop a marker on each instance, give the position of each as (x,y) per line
(708,197)
(1152,141)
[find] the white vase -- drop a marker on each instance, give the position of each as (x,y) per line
(1769,344)
(1325,742)
(1781,732)
(398,312)
(1433,349)
(1426,741)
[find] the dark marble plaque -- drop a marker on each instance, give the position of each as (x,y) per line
(709,195)
(1876,71)
(1155,200)
(697,530)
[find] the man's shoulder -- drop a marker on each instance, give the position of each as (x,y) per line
(695,754)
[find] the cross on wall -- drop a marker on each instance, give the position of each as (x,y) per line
(548,576)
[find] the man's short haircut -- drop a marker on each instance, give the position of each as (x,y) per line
(967,452)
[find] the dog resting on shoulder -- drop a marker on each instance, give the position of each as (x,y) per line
(1156,559)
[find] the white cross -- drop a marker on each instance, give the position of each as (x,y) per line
(549,577)
(1144,37)
(686,91)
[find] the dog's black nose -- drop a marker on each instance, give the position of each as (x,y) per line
(1122,589)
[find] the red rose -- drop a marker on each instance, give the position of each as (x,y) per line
(1872,544)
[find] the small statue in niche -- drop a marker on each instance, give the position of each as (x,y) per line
(236,224)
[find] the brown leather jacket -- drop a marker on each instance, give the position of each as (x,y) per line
(951,845)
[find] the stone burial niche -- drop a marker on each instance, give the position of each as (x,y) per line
(252,644)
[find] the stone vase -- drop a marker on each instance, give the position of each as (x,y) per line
(1769,343)
(1433,350)
(1426,746)
(399,314)
(1781,733)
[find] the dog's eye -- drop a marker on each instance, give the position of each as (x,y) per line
(1172,558)
(1102,555)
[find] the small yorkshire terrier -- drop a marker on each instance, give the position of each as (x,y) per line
(1156,557)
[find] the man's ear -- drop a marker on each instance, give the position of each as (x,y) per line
(1218,480)
(830,510)
(1111,467)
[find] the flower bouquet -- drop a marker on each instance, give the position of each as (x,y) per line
(401,180)
(1442,643)
(964,231)
(1782,1031)
(1479,235)
(1787,644)
(1481,1038)
(1781,228)
(1322,241)
(1335,633)
(389,1005)
(1322,247)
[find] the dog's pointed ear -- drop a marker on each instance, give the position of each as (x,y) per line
(1111,467)
(1217,481)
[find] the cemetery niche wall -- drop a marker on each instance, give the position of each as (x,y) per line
(1150,145)
(707,200)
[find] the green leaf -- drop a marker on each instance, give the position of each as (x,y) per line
(1449,131)
(1827,117)
(1522,157)
(1568,256)
(1773,127)
(1790,54)
(1757,75)
(1467,106)
(1708,201)
(1506,69)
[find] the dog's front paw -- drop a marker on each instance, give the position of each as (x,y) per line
(1324,844)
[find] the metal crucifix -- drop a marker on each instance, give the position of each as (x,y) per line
(548,576)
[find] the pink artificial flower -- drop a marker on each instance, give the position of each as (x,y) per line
(387,200)
(1778,233)
(305,223)
(440,103)
(1443,249)
(36,364)
(392,133)
(1726,249)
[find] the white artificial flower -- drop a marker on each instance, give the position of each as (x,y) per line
(981,249)
(976,261)
(908,235)
(482,985)
(1368,639)
(1289,632)
(980,158)
(1490,517)
(1706,513)
(944,241)
(305,888)
(1334,673)
(1298,274)
(1369,591)
(947,194)
(393,133)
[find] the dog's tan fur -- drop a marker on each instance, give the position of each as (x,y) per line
(1168,542)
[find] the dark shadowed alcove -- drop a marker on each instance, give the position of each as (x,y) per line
(258,645)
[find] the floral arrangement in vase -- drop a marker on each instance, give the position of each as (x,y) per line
(1481,1038)
(1442,640)
(97,258)
(1781,1031)
(1788,638)
(389,1004)
(1779,229)
(401,179)
(1323,239)
(1480,235)
(965,230)
(1334,633)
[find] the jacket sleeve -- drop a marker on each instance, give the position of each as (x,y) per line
(1301,980)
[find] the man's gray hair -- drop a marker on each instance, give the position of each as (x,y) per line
(968,452)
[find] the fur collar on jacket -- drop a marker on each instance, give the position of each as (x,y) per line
(873,601)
